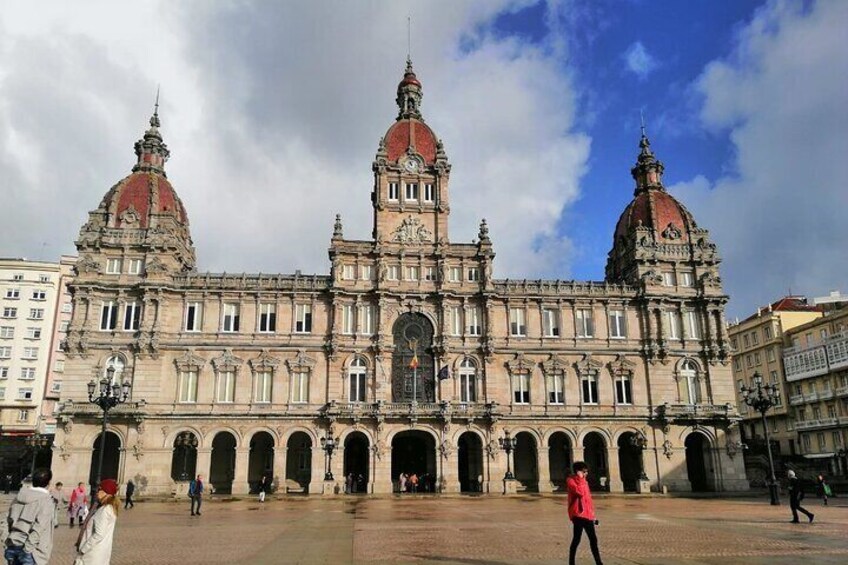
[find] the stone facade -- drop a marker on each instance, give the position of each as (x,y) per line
(409,354)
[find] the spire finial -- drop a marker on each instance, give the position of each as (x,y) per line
(154,119)
(409,39)
(642,119)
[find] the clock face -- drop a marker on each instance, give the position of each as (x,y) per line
(411,165)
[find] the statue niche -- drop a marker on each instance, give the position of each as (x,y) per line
(413,339)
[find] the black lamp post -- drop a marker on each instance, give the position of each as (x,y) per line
(328,444)
(508,444)
(187,441)
(761,397)
(36,442)
(107,397)
(640,442)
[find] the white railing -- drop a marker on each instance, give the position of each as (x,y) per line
(820,423)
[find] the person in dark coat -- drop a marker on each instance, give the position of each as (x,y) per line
(128,502)
(796,495)
(822,488)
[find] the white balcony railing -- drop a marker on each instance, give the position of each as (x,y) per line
(812,424)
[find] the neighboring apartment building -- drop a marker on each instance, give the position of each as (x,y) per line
(816,362)
(757,343)
(63,309)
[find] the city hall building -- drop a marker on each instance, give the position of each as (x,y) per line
(408,355)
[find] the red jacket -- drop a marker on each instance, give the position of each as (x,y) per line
(579,499)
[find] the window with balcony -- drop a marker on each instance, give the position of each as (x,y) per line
(468,380)
(357,374)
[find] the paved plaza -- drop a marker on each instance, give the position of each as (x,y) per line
(470,530)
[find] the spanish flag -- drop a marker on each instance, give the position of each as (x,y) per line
(414,363)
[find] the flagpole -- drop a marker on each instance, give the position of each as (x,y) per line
(415,383)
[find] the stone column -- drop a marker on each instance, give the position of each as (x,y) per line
(318,463)
(240,485)
(280,462)
(450,471)
(615,482)
(544,469)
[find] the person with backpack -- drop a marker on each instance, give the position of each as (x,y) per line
(581,512)
(796,495)
(30,523)
(195,492)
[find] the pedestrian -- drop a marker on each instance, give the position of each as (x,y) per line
(479,483)
(78,508)
(94,544)
(581,512)
(402,482)
(30,522)
(349,483)
(59,499)
(796,495)
(823,488)
(130,492)
(195,492)
(359,485)
(413,481)
(7,484)
(263,488)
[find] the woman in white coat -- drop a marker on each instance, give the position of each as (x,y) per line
(94,545)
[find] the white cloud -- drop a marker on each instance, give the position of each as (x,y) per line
(639,61)
(273,114)
(779,216)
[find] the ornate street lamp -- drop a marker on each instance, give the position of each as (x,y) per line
(640,442)
(328,444)
(187,441)
(508,444)
(761,397)
(36,442)
(107,397)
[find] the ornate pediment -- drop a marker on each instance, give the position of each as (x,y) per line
(155,267)
(672,232)
(188,361)
(264,361)
(227,361)
(411,230)
(130,217)
(520,364)
(622,366)
(302,362)
(588,365)
(554,365)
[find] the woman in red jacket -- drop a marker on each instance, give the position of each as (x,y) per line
(581,512)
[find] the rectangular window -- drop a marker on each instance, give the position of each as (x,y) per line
(43,278)
(687,279)
(455,274)
(755,338)
(134,266)
(669,278)
(67,308)
(347,319)
(807,443)
(823,334)
(836,437)
(36,313)
(429,193)
(623,390)
(267,318)
(113,266)
(693,325)
(736,364)
(108,316)
(366,319)
(467,386)
(33,333)
(188,387)
(59,366)
(357,386)
(365,272)
(393,273)
(749,360)
(230,322)
(413,273)
(589,389)
(23,416)
(132,316)
(770,354)
(734,343)
(472,321)
(303,318)
(821,441)
(300,387)
(831,411)
(816,413)
(24,394)
(39,295)
(618,327)
(262,390)
(5,352)
(455,320)
(556,389)
(13,293)
(585,322)
(473,274)
(2,393)
(673,320)
(517,325)
(4,372)
(17,277)
(7,332)
(194,311)
(412,191)
(226,386)
(550,322)
(27,373)
(10,312)
(767,333)
(757,358)
(393,191)
(430,274)
(521,388)
(349,272)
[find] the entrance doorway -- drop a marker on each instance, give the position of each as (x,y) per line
(470,457)
(111,458)
(261,461)
(629,461)
(222,470)
(356,455)
(414,452)
(298,463)
(595,454)
(560,458)
(697,458)
(413,373)
(526,462)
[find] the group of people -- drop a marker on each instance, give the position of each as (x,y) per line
(34,514)
(354,483)
(413,483)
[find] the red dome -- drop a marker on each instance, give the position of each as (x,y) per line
(657,210)
(409,78)
(142,193)
(402,132)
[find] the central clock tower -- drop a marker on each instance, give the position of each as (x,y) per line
(411,172)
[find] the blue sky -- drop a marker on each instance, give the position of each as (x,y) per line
(273,112)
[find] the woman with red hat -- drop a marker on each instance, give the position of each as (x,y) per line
(94,545)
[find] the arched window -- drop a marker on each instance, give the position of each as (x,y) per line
(467,381)
(689,376)
(356,374)
(115,362)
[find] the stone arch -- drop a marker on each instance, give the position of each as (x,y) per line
(172,435)
(107,361)
(707,432)
(209,436)
(184,454)
(526,458)
(356,465)
(470,461)
(263,442)
(313,435)
(572,437)
(595,444)
(418,427)
(560,457)
(631,463)
(586,431)
(222,464)
(299,443)
(93,433)
(414,451)
(700,463)
(113,446)
(616,435)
